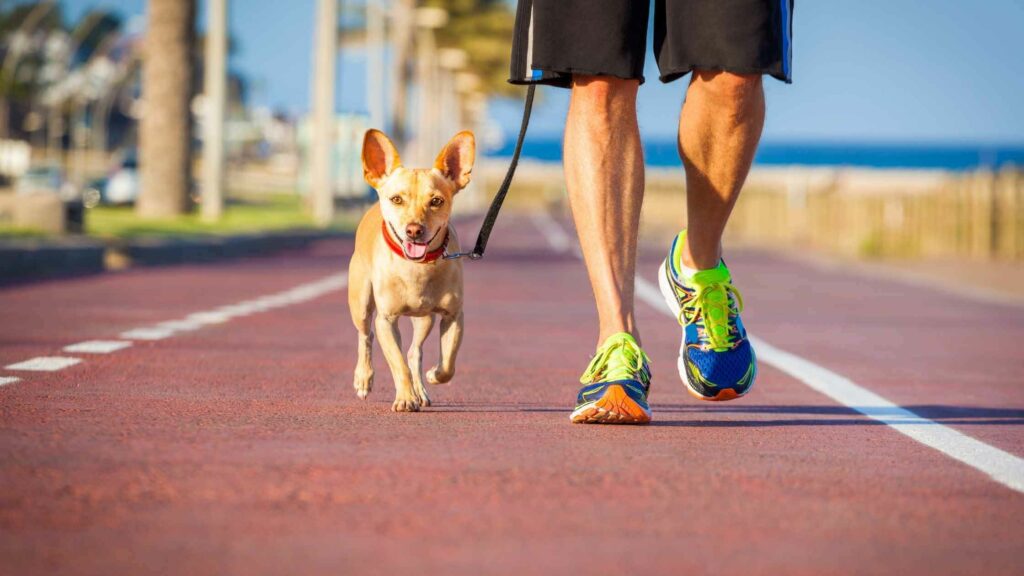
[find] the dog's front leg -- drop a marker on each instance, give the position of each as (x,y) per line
(421,326)
(361,305)
(391,343)
(451,339)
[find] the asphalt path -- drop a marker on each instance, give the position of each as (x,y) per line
(201,420)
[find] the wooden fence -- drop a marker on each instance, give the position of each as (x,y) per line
(850,212)
(976,215)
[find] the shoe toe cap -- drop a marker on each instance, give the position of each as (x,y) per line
(731,369)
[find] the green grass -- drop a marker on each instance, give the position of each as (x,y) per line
(7,231)
(261,214)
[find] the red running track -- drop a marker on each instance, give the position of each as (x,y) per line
(240,447)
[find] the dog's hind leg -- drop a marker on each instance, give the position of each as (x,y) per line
(421,326)
(391,343)
(361,305)
(451,339)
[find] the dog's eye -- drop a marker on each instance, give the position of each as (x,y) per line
(436,201)
(396,200)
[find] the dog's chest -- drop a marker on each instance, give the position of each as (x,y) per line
(411,293)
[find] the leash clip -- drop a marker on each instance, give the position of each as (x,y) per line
(457,255)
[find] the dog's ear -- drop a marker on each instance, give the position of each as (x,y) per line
(380,158)
(456,159)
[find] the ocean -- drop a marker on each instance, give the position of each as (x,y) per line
(909,156)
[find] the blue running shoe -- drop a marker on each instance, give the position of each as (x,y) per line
(716,360)
(615,385)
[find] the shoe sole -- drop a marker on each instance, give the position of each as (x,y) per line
(725,394)
(613,407)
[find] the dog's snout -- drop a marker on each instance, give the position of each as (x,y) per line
(414,231)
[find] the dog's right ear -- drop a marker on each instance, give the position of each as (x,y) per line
(380,158)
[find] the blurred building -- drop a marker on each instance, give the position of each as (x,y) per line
(346,156)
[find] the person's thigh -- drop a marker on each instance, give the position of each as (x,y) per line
(741,36)
(555,39)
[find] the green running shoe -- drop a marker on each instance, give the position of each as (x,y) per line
(615,385)
(716,360)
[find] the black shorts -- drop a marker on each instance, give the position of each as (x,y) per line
(555,39)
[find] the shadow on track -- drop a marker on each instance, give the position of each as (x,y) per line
(938,413)
(840,415)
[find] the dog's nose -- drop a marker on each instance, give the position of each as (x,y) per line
(414,231)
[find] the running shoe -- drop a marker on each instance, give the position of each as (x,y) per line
(716,360)
(615,385)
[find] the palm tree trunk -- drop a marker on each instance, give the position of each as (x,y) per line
(402,65)
(165,127)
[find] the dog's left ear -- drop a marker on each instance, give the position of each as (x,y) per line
(456,159)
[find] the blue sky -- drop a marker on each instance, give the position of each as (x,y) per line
(866,70)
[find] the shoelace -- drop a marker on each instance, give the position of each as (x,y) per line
(633,363)
(713,305)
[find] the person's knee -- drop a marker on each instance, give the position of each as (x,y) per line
(599,93)
(728,86)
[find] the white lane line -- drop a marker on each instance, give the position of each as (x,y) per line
(45,364)
(207,318)
(236,310)
(150,333)
(97,346)
(196,320)
(1003,467)
(295,295)
(179,325)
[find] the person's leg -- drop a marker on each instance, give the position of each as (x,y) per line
(604,172)
(719,129)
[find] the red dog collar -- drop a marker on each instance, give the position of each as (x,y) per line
(397,248)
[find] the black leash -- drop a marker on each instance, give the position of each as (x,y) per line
(499,198)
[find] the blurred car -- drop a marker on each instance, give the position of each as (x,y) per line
(48,179)
(123,183)
(119,187)
(42,179)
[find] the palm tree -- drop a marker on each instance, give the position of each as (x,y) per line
(24,31)
(481,28)
(165,127)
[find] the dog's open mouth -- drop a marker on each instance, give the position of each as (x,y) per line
(414,250)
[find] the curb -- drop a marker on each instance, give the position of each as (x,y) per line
(39,259)
(26,260)
(169,251)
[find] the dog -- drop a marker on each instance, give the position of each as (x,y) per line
(398,268)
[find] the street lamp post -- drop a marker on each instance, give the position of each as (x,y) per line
(400,38)
(450,61)
(428,20)
(375,64)
(325,49)
(215,100)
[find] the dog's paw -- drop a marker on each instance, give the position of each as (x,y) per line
(422,398)
(363,385)
(436,376)
(406,405)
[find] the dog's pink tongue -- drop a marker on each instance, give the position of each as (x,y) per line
(413,250)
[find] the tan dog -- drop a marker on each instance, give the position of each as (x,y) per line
(398,269)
